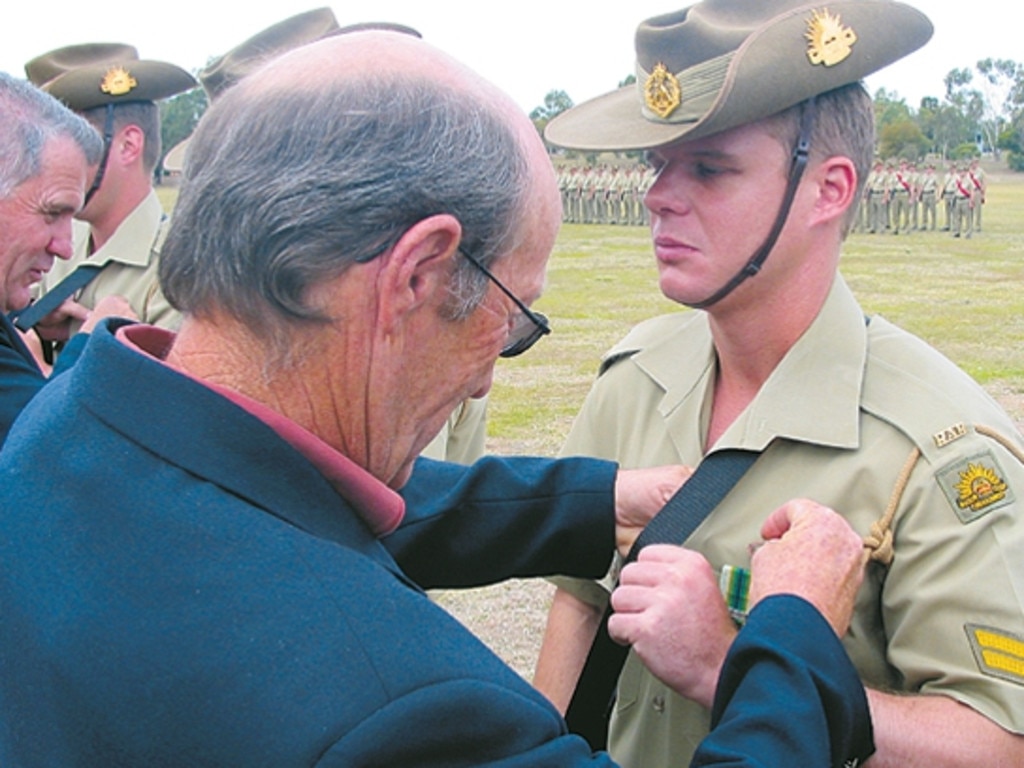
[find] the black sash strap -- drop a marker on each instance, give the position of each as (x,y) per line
(26,318)
(591,704)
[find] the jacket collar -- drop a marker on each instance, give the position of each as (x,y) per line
(193,427)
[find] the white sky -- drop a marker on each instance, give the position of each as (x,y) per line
(528,47)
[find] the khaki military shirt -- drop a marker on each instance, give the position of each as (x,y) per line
(130,258)
(949,184)
(463,437)
(901,182)
(929,184)
(839,418)
(877,183)
(979,182)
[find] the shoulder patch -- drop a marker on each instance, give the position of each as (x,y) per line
(975,486)
(998,653)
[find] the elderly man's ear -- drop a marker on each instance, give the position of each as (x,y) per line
(419,265)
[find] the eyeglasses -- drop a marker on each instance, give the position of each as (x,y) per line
(527,328)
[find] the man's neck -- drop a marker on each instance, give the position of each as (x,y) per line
(104,225)
(751,339)
(220,350)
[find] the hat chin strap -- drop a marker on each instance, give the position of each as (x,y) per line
(108,140)
(796,172)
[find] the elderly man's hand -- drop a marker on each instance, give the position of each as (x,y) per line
(812,552)
(56,326)
(108,306)
(639,495)
(668,606)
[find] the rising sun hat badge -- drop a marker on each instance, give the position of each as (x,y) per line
(829,42)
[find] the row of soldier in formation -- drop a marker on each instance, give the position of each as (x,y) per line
(900,197)
(605,194)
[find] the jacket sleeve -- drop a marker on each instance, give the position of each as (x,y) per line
(788,695)
(20,379)
(463,724)
(505,517)
(70,354)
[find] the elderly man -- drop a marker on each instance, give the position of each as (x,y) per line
(45,158)
(220,571)
(463,436)
(739,102)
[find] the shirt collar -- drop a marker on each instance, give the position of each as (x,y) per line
(139,226)
(812,396)
(381,508)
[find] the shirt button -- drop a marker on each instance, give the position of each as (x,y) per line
(658,703)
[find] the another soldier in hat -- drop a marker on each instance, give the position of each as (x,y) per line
(877,193)
(117,245)
(735,103)
(929,197)
(901,196)
(964,198)
(949,195)
(979,183)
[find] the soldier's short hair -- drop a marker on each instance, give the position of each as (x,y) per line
(844,125)
(144,114)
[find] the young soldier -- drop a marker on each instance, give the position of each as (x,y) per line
(739,103)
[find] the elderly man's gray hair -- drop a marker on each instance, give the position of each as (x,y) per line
(288,189)
(29,118)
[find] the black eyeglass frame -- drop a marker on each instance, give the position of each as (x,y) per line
(541,328)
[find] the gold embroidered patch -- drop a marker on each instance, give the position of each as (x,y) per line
(662,93)
(118,81)
(829,42)
(975,486)
(948,435)
(998,653)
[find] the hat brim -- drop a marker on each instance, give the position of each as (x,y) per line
(769,73)
(174,160)
(155,80)
(610,122)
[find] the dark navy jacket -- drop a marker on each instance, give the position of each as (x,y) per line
(20,377)
(179,587)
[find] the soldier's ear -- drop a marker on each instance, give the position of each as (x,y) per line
(129,144)
(836,180)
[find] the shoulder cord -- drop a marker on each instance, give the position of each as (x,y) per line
(878,544)
(1002,439)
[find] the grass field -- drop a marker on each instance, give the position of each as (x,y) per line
(965,297)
